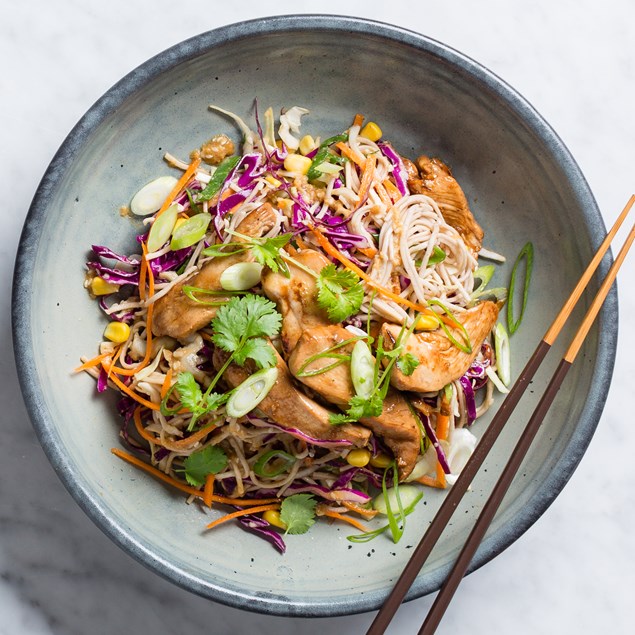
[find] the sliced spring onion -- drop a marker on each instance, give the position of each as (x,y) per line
(466,345)
(241,276)
(273,463)
(503,357)
(527,252)
(162,228)
(409,494)
(150,197)
(190,232)
(218,178)
(328,168)
(482,276)
(437,256)
(329,353)
(489,371)
(251,392)
(362,369)
(193,292)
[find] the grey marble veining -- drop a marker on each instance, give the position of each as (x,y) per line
(571,573)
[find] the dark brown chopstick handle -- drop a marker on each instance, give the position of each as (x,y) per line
(456,492)
(485,518)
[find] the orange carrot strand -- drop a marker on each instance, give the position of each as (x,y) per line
(208,490)
(367,177)
(95,361)
(136,417)
(349,153)
(133,394)
(366,513)
(346,519)
(181,183)
(241,512)
(167,382)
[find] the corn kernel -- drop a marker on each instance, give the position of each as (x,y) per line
(381,460)
(179,221)
(307,144)
(117,332)
(272,516)
(371,131)
(285,205)
(358,457)
(272,180)
(427,323)
(297,163)
(99,286)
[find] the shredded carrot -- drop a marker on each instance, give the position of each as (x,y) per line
(167,382)
(367,177)
(244,502)
(359,120)
(346,519)
(333,251)
(181,183)
(208,490)
(362,511)
(133,394)
(383,194)
(143,268)
(349,153)
(193,438)
(241,512)
(95,361)
(133,460)
(431,482)
(392,190)
(301,244)
(371,252)
(136,417)
(114,360)
(443,430)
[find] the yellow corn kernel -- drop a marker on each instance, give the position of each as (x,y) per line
(272,516)
(381,460)
(307,144)
(427,323)
(117,332)
(272,180)
(179,221)
(99,286)
(297,163)
(371,131)
(358,458)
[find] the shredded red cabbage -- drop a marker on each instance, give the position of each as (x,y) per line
(435,442)
(262,528)
(398,170)
(470,403)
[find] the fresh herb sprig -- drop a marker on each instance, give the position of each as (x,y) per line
(297,512)
(199,465)
(340,292)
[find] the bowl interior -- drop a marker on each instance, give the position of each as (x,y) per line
(520,181)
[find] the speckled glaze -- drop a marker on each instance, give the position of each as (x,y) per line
(522,184)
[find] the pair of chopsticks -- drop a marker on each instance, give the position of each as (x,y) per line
(455,494)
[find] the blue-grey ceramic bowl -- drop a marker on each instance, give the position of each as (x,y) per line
(521,182)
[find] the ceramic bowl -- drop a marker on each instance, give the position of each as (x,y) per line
(522,184)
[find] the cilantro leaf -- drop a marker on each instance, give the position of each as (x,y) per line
(297,512)
(189,391)
(215,400)
(360,408)
(267,252)
(407,364)
(340,293)
(198,465)
(257,349)
(244,317)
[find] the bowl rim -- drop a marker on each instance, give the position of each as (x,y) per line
(24,271)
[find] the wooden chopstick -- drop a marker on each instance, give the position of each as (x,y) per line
(491,434)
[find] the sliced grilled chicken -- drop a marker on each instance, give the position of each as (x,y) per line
(290,408)
(396,425)
(436,181)
(440,361)
(177,315)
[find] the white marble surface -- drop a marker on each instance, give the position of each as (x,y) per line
(573,572)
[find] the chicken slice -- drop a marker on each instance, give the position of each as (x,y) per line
(440,361)
(396,425)
(290,408)
(296,297)
(177,315)
(437,182)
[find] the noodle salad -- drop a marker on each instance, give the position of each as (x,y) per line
(304,330)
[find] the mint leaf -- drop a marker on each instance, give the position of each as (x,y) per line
(297,512)
(407,364)
(198,465)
